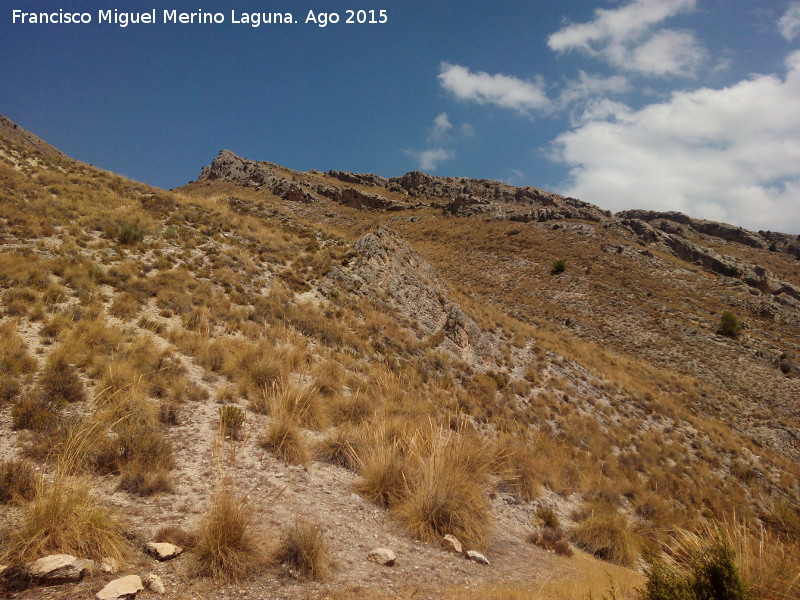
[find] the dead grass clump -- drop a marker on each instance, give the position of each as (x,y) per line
(552,540)
(17,301)
(65,518)
(145,456)
(519,469)
(303,552)
(356,408)
(35,412)
(285,440)
(328,378)
(302,402)
(125,306)
(608,535)
(177,536)
(18,480)
(380,461)
(338,448)
(253,366)
(14,357)
(444,490)
(227,547)
(59,381)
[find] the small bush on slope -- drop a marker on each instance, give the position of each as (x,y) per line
(227,547)
(303,551)
(608,535)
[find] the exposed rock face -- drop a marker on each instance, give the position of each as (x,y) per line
(283,183)
(720,230)
(393,273)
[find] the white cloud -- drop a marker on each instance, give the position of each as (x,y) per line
(441,125)
(466,130)
(504,91)
(789,23)
(625,38)
(428,160)
(731,154)
(589,86)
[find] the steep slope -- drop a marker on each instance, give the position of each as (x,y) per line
(351,350)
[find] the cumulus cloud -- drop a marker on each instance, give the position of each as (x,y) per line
(428,160)
(504,91)
(730,154)
(589,86)
(789,23)
(626,38)
(441,125)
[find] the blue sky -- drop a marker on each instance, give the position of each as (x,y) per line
(690,105)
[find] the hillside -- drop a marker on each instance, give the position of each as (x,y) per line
(380,362)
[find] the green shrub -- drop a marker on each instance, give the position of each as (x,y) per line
(130,232)
(729,324)
(231,420)
(711,575)
(559,266)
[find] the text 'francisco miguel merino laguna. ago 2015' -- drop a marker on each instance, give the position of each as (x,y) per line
(197,17)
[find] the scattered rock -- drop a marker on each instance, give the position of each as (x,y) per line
(153,583)
(56,569)
(451,543)
(382,556)
(122,588)
(477,557)
(162,551)
(109,565)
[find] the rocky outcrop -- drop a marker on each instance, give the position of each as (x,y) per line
(279,181)
(721,230)
(393,274)
(672,235)
(360,178)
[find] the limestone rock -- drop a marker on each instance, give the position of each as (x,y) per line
(477,557)
(382,556)
(451,543)
(109,565)
(153,583)
(121,589)
(56,569)
(162,551)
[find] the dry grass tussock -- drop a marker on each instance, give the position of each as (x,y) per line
(608,534)
(228,546)
(64,516)
(303,552)
(432,479)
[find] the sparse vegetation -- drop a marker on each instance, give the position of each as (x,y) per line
(228,547)
(608,535)
(729,324)
(303,552)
